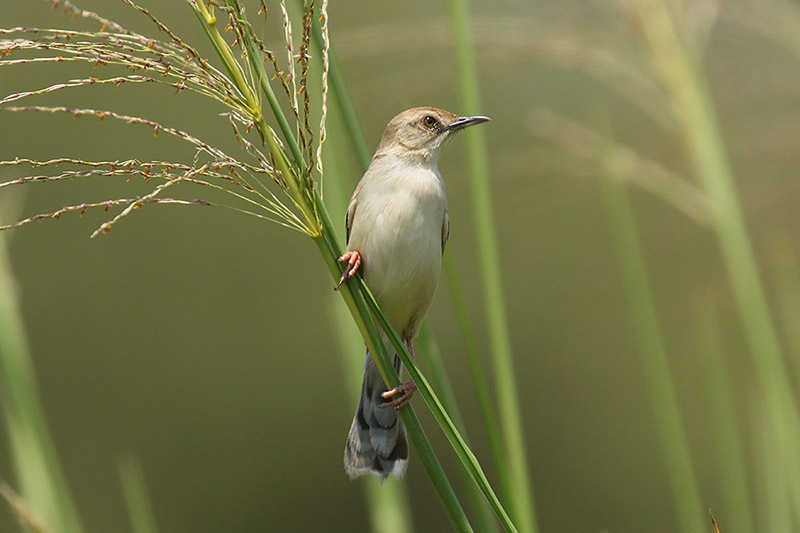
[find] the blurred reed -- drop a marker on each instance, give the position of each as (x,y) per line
(731,457)
(479,378)
(679,66)
(777,20)
(42,501)
(432,358)
(674,37)
(137,500)
(786,281)
(518,489)
(653,350)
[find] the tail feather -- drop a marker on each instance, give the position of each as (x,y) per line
(377,442)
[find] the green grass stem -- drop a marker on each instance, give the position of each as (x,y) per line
(40,480)
(134,489)
(357,306)
(476,371)
(519,493)
(786,273)
(644,316)
(255,60)
(722,403)
(465,455)
(429,354)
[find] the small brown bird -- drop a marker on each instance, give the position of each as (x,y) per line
(397,227)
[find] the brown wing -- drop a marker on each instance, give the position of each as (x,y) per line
(351,212)
(445,229)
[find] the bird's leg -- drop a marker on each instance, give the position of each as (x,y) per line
(408,388)
(353,260)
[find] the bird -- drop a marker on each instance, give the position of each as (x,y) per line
(397,226)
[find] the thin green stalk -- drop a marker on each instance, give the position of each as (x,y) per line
(134,489)
(213,41)
(348,110)
(292,179)
(519,492)
(643,314)
(41,482)
(776,507)
(730,453)
(463,452)
(224,52)
(476,370)
(428,352)
(358,309)
(257,65)
(787,288)
(679,65)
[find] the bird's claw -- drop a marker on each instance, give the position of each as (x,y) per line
(353,260)
(407,389)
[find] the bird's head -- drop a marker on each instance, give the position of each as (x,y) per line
(421,131)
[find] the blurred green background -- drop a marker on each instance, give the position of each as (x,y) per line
(200,341)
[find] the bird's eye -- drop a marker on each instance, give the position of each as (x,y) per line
(430,121)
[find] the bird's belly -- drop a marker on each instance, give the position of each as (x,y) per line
(402,263)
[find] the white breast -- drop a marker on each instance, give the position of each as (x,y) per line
(397,229)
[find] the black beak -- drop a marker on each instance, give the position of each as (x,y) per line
(463,122)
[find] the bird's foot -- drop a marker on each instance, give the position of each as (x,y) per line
(353,260)
(407,389)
